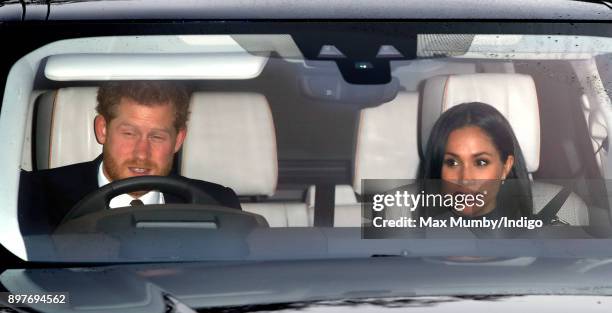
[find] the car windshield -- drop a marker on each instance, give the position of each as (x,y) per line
(426,143)
(238,165)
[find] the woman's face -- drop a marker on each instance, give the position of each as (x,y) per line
(473,165)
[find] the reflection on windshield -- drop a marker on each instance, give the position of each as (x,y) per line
(267,141)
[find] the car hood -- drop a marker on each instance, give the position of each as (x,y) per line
(319,284)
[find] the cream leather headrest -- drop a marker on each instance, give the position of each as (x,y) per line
(65,127)
(387,141)
(231,141)
(514,95)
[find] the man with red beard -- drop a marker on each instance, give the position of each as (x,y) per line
(141,125)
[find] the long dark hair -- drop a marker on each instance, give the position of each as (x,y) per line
(494,124)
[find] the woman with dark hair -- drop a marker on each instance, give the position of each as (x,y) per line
(473,152)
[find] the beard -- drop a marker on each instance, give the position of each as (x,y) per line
(116,170)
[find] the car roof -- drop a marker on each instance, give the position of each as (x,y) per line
(63,10)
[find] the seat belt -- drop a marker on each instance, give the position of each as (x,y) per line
(325,195)
(550,210)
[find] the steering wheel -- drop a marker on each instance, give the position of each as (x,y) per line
(178,231)
(100,198)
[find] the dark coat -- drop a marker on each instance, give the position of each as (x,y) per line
(46,196)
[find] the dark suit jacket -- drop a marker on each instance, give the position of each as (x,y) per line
(46,196)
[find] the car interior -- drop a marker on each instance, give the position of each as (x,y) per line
(274,146)
(296,141)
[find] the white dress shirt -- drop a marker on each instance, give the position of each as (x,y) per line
(151,197)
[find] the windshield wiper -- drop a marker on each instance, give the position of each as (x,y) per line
(603,2)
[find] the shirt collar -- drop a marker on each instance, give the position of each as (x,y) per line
(151,197)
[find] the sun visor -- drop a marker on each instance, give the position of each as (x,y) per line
(148,66)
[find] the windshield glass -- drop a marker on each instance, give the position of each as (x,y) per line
(286,146)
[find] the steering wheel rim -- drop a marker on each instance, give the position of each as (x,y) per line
(100,198)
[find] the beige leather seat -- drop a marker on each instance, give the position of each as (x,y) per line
(387,141)
(231,141)
(387,144)
(514,95)
(386,148)
(64,127)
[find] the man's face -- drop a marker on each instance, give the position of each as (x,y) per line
(140,140)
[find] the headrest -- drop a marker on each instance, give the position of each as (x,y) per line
(64,127)
(387,141)
(231,141)
(514,95)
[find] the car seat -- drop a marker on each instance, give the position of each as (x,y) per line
(515,97)
(231,141)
